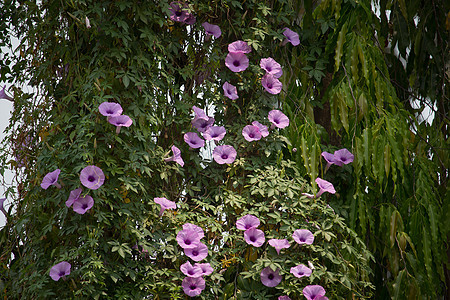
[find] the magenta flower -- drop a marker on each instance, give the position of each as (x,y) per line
(262,128)
(271,66)
(51,179)
(193,227)
(247,222)
(193,140)
(279,244)
(271,84)
(251,133)
(215,133)
(254,237)
(239,47)
(187,239)
(178,13)
(278,119)
(206,268)
(270,277)
(212,29)
(300,271)
(303,236)
(230,91)
(176,156)
(83,204)
(291,36)
(165,204)
(110,109)
(313,292)
(328,157)
(324,186)
(224,154)
(2,200)
(236,61)
(193,286)
(60,270)
(190,270)
(74,196)
(202,124)
(285,297)
(120,121)
(92,177)
(4,96)
(343,156)
(198,253)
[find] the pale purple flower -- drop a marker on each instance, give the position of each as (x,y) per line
(251,133)
(291,36)
(187,239)
(206,268)
(270,277)
(215,133)
(300,271)
(199,113)
(343,156)
(230,91)
(211,29)
(313,292)
(198,253)
(178,13)
(92,177)
(271,84)
(202,124)
(51,179)
(88,23)
(176,156)
(193,286)
(262,128)
(224,154)
(239,47)
(324,186)
(193,227)
(74,196)
(247,222)
(279,244)
(83,204)
(110,109)
(285,297)
(60,270)
(165,204)
(329,158)
(303,236)
(190,270)
(278,119)
(271,66)
(236,62)
(2,200)
(4,96)
(120,121)
(254,237)
(193,140)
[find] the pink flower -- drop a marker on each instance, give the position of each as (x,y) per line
(212,29)
(291,36)
(206,268)
(165,204)
(303,236)
(120,121)
(279,244)
(176,156)
(110,109)
(251,133)
(271,67)
(313,292)
(74,195)
(191,271)
(193,140)
(60,270)
(92,177)
(187,239)
(198,253)
(285,297)
(254,237)
(193,286)
(83,204)
(193,227)
(215,133)
(262,128)
(300,271)
(271,84)
(178,12)
(247,222)
(270,278)
(278,119)
(230,91)
(224,154)
(343,156)
(51,179)
(324,186)
(239,47)
(236,61)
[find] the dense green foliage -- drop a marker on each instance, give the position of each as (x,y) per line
(343,87)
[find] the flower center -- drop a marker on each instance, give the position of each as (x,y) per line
(300,273)
(109,112)
(271,276)
(224,156)
(193,142)
(229,92)
(191,272)
(302,240)
(252,238)
(91,178)
(236,63)
(269,69)
(192,287)
(61,273)
(269,85)
(84,206)
(195,253)
(178,13)
(251,135)
(247,226)
(187,242)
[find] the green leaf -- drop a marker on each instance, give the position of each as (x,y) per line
(339,47)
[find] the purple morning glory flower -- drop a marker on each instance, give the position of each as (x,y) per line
(51,179)
(60,270)
(251,133)
(193,286)
(83,204)
(190,19)
(215,133)
(190,270)
(291,36)
(202,124)
(300,271)
(328,157)
(110,109)
(279,244)
(285,297)
(303,236)
(313,292)
(278,119)
(193,140)
(254,237)
(2,200)
(199,113)
(4,96)
(271,66)
(187,239)
(92,177)
(270,277)
(224,154)
(239,47)
(211,29)
(206,268)
(230,91)
(271,84)
(198,253)
(262,128)
(324,186)
(247,222)
(343,156)
(120,121)
(193,227)
(74,196)
(236,61)
(177,11)
(165,204)
(176,156)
